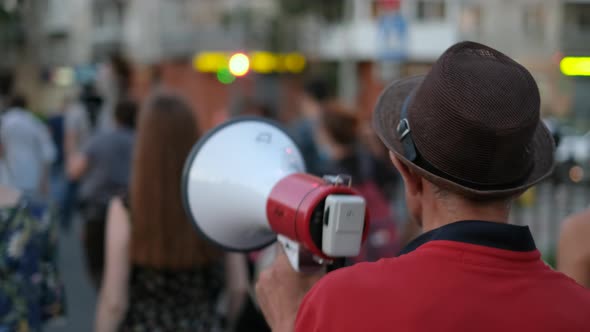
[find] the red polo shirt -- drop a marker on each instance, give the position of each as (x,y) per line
(465,276)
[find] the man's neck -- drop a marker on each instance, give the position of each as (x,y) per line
(447,211)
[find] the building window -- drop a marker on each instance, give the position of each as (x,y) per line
(99,18)
(578,15)
(470,21)
(584,18)
(430,10)
(534,20)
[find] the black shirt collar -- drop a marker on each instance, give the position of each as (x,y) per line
(484,233)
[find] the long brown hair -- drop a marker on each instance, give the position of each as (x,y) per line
(162,236)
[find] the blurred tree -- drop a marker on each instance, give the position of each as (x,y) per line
(11,33)
(330,10)
(20,31)
(283,27)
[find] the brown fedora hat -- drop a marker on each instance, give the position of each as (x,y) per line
(471,125)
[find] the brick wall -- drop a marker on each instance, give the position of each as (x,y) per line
(206,95)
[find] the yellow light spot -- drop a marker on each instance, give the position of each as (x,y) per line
(575,66)
(295,62)
(281,63)
(576,174)
(263,62)
(210,62)
(239,64)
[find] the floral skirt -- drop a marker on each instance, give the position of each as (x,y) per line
(174,300)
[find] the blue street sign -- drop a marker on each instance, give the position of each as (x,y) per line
(393,35)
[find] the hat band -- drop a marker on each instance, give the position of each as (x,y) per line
(412,154)
(405,132)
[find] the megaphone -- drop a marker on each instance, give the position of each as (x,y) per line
(244,183)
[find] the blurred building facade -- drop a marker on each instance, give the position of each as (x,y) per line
(368,41)
(383,39)
(575,41)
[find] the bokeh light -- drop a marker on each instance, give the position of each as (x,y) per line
(295,62)
(224,76)
(210,62)
(239,64)
(576,174)
(64,76)
(575,66)
(263,62)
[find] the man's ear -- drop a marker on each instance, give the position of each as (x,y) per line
(412,181)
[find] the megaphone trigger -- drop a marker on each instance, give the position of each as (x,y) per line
(300,259)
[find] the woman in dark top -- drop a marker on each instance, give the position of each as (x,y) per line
(338,133)
(160,275)
(339,136)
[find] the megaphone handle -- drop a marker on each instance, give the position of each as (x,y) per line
(301,260)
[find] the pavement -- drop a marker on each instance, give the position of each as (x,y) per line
(80,295)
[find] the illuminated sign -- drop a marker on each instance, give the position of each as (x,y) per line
(575,66)
(240,64)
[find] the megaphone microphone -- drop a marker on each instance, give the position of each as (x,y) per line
(244,185)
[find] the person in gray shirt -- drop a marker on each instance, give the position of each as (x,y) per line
(28,150)
(103,168)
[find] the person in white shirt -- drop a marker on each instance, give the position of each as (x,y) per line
(28,150)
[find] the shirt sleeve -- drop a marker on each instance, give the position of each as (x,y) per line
(307,320)
(48,150)
(90,148)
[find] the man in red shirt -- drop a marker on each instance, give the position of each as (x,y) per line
(467,139)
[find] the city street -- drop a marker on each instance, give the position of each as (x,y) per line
(81,298)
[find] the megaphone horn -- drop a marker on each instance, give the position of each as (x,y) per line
(245,181)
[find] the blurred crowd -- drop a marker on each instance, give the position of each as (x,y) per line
(113,163)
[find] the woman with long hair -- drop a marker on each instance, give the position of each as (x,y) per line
(160,275)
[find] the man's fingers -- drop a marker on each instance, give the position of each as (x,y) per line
(264,278)
(281,258)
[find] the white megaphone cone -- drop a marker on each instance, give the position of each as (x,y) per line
(245,181)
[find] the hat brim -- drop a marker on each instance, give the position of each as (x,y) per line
(386,118)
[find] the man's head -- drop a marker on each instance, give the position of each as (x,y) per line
(6,82)
(318,89)
(126,113)
(427,201)
(18,101)
(467,136)
(339,124)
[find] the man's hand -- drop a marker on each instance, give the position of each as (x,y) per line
(280,290)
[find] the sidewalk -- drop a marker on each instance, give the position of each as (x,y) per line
(81,298)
